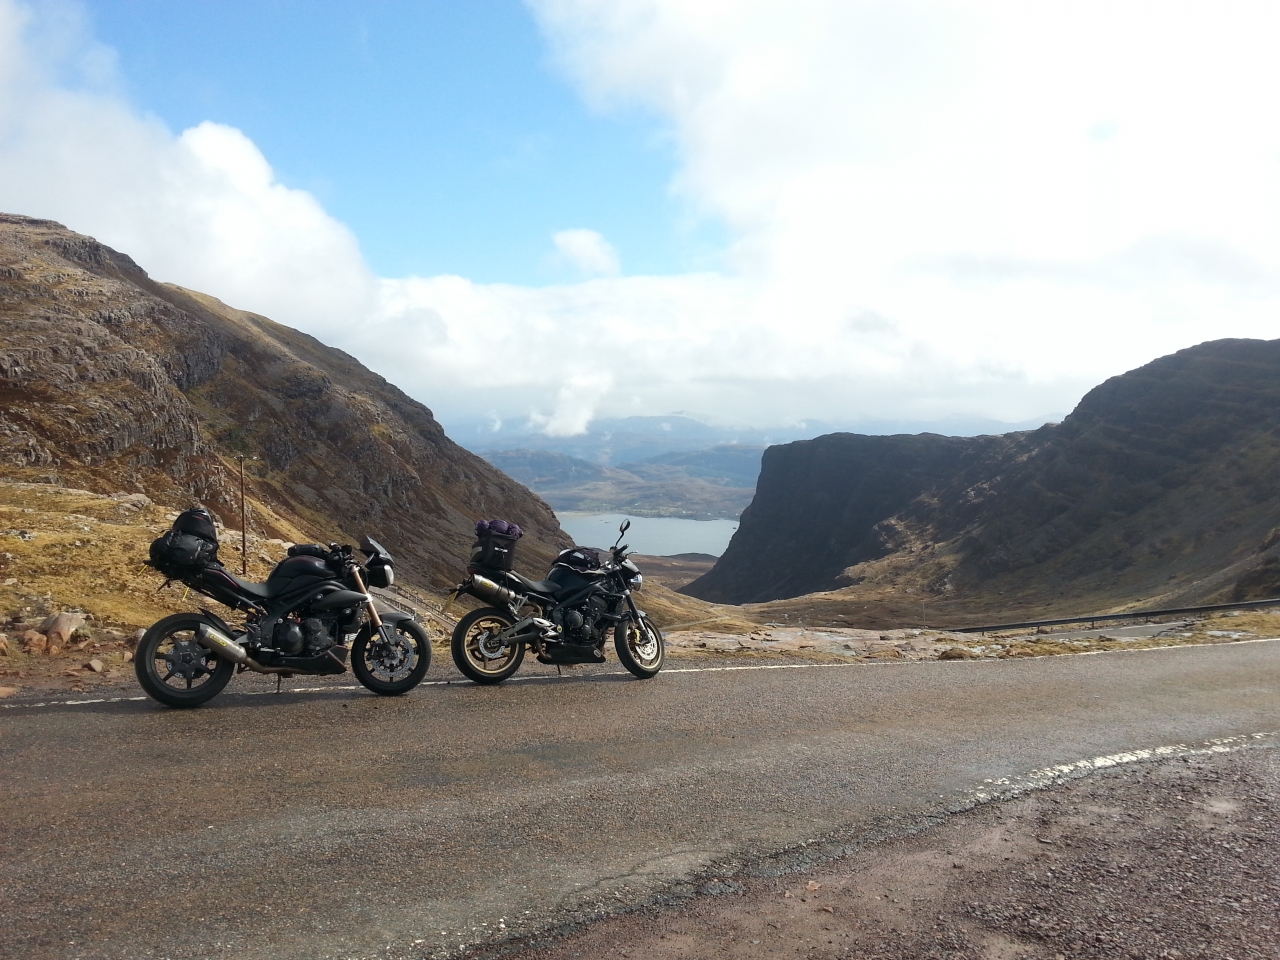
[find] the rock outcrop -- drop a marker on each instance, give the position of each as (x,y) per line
(1160,486)
(110,381)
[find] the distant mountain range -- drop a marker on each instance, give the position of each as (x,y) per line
(696,485)
(1161,486)
(671,466)
(614,442)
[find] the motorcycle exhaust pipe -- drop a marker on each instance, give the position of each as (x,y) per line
(219,643)
(487,590)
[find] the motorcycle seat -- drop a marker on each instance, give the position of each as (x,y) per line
(259,590)
(218,575)
(546,587)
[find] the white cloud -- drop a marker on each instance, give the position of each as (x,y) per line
(202,208)
(901,158)
(973,208)
(587,252)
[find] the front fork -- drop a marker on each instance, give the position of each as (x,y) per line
(636,613)
(375,621)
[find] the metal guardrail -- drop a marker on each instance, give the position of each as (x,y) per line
(423,609)
(1093,619)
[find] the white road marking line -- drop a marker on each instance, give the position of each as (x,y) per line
(543,678)
(1007,787)
(772,666)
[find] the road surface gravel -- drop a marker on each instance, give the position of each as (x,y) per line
(338,824)
(1171,859)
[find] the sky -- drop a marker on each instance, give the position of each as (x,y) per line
(750,212)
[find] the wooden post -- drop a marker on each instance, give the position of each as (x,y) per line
(244,537)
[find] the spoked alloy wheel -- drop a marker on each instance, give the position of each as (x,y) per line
(175,670)
(639,647)
(392,668)
(476,653)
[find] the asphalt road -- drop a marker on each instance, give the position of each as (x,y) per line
(338,824)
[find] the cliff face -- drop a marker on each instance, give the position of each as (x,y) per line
(820,506)
(1159,486)
(110,381)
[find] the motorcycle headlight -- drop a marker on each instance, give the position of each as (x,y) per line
(380,575)
(636,583)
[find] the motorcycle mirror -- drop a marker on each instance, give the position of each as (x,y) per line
(624,527)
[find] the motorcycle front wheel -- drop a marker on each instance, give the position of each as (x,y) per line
(474,651)
(392,668)
(175,670)
(640,647)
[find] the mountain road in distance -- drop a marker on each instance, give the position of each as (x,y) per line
(334,823)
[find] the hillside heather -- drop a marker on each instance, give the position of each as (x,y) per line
(110,381)
(1160,489)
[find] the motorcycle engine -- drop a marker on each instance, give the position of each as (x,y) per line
(287,637)
(580,624)
(320,634)
(292,636)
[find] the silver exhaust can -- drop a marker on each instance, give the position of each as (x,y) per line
(487,590)
(219,643)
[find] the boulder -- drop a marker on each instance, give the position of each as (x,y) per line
(59,627)
(4,645)
(34,643)
(131,502)
(958,653)
(96,665)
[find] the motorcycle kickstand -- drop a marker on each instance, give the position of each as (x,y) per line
(559,672)
(279,680)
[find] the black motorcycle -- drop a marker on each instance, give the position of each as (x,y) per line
(313,611)
(564,619)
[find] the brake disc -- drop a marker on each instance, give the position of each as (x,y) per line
(487,646)
(392,654)
(646,643)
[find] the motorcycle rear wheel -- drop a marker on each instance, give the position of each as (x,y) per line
(175,670)
(640,647)
(389,673)
(478,660)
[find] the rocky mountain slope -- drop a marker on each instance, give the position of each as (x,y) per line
(110,381)
(1159,488)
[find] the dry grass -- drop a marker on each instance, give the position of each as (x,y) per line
(671,610)
(85,551)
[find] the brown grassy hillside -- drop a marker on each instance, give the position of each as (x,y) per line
(110,381)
